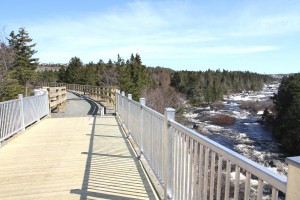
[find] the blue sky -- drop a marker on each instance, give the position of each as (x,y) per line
(255,35)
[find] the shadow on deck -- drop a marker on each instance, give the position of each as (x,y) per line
(72,158)
(112,168)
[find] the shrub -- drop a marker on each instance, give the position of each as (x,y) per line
(222,119)
(256,106)
(218,105)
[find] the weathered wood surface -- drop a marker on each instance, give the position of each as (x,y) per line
(72,158)
(57,97)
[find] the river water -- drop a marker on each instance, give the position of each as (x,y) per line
(246,136)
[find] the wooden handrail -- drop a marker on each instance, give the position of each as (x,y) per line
(102,93)
(57,97)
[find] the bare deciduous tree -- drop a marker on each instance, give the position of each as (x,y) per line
(7,58)
(108,77)
(162,97)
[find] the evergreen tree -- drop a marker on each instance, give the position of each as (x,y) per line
(133,76)
(73,72)
(89,74)
(9,89)
(124,77)
(62,74)
(24,65)
(48,76)
(287,122)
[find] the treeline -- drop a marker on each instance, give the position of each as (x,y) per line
(130,75)
(287,122)
(157,84)
(210,86)
(135,78)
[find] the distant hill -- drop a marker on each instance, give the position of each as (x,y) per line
(50,67)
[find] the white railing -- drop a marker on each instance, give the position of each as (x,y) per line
(191,166)
(15,115)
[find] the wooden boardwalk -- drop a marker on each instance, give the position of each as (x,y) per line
(72,158)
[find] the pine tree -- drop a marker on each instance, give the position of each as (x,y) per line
(73,74)
(24,65)
(124,77)
(287,122)
(132,76)
(89,73)
(62,74)
(138,75)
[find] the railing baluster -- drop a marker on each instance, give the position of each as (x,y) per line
(195,164)
(182,167)
(5,120)
(152,138)
(212,176)
(186,168)
(205,184)
(179,189)
(237,181)
(175,149)
(1,120)
(274,194)
(190,176)
(227,182)
(201,172)
(10,112)
(220,162)
(159,145)
(247,186)
(259,189)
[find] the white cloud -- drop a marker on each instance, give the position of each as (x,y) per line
(155,30)
(141,29)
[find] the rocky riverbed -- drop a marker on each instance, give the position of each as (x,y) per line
(243,134)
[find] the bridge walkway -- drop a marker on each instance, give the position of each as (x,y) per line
(72,158)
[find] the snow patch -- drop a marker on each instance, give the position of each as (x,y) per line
(214,128)
(190,115)
(261,112)
(232,176)
(40,91)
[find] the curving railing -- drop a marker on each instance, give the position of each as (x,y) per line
(103,93)
(17,114)
(191,166)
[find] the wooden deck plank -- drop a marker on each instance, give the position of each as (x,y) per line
(72,158)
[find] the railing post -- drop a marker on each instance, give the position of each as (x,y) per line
(122,105)
(143,103)
(128,113)
(22,112)
(117,92)
(293,179)
(167,162)
(114,98)
(48,103)
(38,111)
